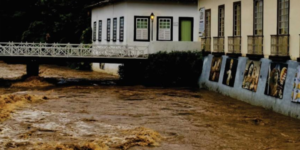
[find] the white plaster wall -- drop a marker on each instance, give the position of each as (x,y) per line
(159,46)
(294,28)
(108,68)
(270,22)
(129,9)
(103,13)
(174,10)
(110,11)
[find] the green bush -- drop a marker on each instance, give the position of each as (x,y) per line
(165,69)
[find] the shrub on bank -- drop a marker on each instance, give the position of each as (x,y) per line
(165,69)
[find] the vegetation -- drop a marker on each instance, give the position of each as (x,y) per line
(62,21)
(59,21)
(165,69)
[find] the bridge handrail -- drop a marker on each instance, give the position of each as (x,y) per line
(72,50)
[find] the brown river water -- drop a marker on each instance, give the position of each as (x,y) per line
(97,117)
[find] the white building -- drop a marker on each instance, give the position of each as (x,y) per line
(128,22)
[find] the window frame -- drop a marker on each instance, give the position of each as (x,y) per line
(135,28)
(157,25)
(115,29)
(121,34)
(205,31)
(192,27)
(95,31)
(219,18)
(262,18)
(100,30)
(108,29)
(278,16)
(234,4)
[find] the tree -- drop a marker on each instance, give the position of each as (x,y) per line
(63,21)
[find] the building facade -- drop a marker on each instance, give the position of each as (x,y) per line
(266,34)
(268,28)
(129,22)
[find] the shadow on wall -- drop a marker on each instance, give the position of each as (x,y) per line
(272,85)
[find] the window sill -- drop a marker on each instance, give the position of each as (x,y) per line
(217,54)
(234,55)
(255,56)
(205,53)
(141,40)
(279,58)
(164,40)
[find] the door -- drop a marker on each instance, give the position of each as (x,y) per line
(186,29)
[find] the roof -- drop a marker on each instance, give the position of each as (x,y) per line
(105,2)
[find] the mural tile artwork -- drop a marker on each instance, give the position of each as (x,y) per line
(215,69)
(230,72)
(251,75)
(296,90)
(276,80)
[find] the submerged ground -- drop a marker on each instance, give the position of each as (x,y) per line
(96,116)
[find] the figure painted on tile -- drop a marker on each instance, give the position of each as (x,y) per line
(215,69)
(273,81)
(282,81)
(254,80)
(251,75)
(276,80)
(296,88)
(230,72)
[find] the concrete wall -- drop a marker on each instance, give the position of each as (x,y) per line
(269,25)
(283,106)
(108,68)
(155,47)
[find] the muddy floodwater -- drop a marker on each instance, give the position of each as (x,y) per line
(149,117)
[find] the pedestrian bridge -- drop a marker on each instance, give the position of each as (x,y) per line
(34,54)
(79,51)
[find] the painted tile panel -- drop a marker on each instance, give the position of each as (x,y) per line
(230,72)
(215,69)
(276,80)
(251,75)
(296,89)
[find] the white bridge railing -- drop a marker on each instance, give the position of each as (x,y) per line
(72,50)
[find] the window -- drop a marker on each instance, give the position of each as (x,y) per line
(258,17)
(108,30)
(219,41)
(207,23)
(221,21)
(115,29)
(121,28)
(141,28)
(237,19)
(165,28)
(283,17)
(94,31)
(100,31)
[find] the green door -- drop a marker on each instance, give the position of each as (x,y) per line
(186,33)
